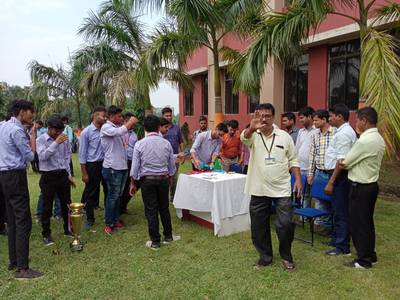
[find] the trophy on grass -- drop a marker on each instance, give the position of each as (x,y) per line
(76,217)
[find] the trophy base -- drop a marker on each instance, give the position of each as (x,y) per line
(76,247)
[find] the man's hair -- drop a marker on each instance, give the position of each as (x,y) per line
(322,114)
(369,113)
(55,121)
(233,124)
(40,122)
(65,119)
(203,118)
(17,105)
(166,110)
(266,106)
(222,127)
(151,123)
(341,109)
(290,116)
(99,109)
(164,121)
(307,111)
(113,110)
(127,115)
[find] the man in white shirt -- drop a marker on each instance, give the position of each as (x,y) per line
(338,184)
(303,145)
(272,156)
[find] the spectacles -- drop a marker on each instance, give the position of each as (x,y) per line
(267,117)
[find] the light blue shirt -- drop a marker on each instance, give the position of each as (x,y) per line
(131,139)
(15,149)
(340,145)
(112,141)
(40,131)
(152,155)
(53,156)
(90,149)
(68,131)
(205,147)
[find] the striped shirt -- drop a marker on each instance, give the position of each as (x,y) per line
(319,144)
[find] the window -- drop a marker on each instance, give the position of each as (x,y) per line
(344,70)
(252,102)
(231,99)
(204,92)
(189,103)
(296,84)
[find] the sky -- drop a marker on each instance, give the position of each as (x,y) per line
(46,31)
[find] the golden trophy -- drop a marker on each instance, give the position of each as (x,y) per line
(76,216)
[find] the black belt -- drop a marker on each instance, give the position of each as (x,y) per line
(355,184)
(12,170)
(155,177)
(54,172)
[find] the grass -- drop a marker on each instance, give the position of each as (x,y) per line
(200,266)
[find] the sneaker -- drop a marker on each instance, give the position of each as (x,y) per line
(89,227)
(48,241)
(174,238)
(119,225)
(354,264)
(335,252)
(28,274)
(152,245)
(261,264)
(108,230)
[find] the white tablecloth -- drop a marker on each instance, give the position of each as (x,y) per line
(221,194)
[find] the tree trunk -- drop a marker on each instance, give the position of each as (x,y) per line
(78,108)
(363,34)
(218,117)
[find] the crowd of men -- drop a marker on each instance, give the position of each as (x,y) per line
(112,157)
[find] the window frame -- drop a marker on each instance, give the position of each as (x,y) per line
(303,61)
(188,109)
(234,97)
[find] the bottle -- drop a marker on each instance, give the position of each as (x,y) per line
(217,166)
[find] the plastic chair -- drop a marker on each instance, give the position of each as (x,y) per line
(309,213)
(235,168)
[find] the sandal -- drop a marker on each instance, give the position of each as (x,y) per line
(289,266)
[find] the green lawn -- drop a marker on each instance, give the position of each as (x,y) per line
(199,266)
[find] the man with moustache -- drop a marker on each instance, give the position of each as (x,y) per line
(273,156)
(203,127)
(91,157)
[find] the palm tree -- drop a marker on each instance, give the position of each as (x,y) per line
(191,25)
(282,35)
(115,57)
(61,85)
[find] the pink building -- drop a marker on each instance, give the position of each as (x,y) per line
(327,74)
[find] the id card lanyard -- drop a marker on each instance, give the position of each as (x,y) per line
(272,144)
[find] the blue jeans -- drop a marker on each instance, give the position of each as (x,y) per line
(323,205)
(340,206)
(57,206)
(115,180)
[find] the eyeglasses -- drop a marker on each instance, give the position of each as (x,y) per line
(266,117)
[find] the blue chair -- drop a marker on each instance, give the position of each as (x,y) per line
(296,201)
(235,168)
(309,213)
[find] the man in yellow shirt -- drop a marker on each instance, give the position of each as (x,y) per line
(364,162)
(272,156)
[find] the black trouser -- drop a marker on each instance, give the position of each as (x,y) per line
(91,193)
(14,188)
(125,198)
(362,200)
(155,199)
(52,183)
(2,212)
(71,166)
(260,212)
(35,163)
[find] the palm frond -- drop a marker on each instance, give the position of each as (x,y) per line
(388,14)
(281,35)
(380,84)
(121,83)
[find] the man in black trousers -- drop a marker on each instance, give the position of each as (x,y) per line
(16,150)
(364,163)
(54,153)
(91,157)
